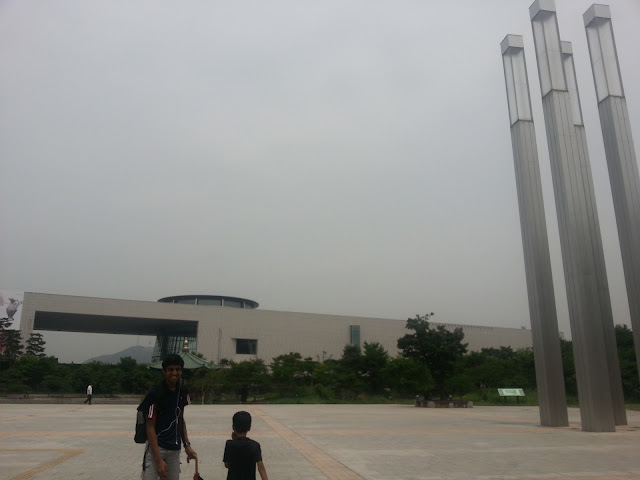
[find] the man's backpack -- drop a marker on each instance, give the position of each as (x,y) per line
(156,394)
(140,435)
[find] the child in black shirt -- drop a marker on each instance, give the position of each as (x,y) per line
(241,454)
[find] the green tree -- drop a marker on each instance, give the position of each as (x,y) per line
(309,365)
(250,377)
(18,377)
(628,365)
(351,359)
(10,345)
(459,384)
(56,383)
(135,377)
(437,348)
(325,376)
(568,367)
(4,339)
(348,381)
(407,376)
(53,376)
(207,383)
(35,345)
(525,371)
(502,353)
(102,376)
(502,367)
(374,359)
(109,381)
(286,368)
(85,374)
(487,372)
(30,371)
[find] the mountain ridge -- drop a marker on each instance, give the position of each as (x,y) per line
(139,353)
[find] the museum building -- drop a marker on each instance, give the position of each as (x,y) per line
(234,328)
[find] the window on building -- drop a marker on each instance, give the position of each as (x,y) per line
(186,301)
(210,301)
(246,346)
(232,303)
(354,335)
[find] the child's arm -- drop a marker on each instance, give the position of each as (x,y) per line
(225,457)
(262,471)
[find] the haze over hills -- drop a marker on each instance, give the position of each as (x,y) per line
(138,353)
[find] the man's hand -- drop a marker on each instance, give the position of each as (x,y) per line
(191,453)
(161,469)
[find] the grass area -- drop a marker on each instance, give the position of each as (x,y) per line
(309,395)
(488,399)
(316,399)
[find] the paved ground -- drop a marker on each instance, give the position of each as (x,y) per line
(318,442)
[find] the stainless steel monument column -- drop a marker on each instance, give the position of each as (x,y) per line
(542,304)
(577,219)
(620,414)
(621,156)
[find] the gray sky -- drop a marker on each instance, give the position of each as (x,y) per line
(341,157)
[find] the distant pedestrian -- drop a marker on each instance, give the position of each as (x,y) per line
(89,395)
(241,454)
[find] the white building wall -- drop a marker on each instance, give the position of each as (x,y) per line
(312,335)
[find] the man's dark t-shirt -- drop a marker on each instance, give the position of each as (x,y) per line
(165,407)
(242,455)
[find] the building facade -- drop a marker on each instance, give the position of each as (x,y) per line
(237,331)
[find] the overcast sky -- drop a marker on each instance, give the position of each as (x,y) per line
(340,157)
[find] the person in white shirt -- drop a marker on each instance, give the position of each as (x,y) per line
(89,395)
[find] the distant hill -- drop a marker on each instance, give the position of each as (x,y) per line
(139,353)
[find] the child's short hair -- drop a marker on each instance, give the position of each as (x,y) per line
(241,422)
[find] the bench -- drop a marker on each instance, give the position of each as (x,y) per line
(15,396)
(450,403)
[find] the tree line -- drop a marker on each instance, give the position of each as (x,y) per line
(433,363)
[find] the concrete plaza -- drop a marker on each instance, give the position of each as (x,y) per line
(317,442)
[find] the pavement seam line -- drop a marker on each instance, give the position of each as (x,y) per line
(67,454)
(38,415)
(568,476)
(328,465)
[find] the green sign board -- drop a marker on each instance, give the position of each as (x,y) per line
(511,392)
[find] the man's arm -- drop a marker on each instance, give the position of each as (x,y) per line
(262,471)
(191,453)
(161,466)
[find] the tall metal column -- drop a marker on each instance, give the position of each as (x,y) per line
(542,304)
(608,329)
(575,206)
(620,153)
